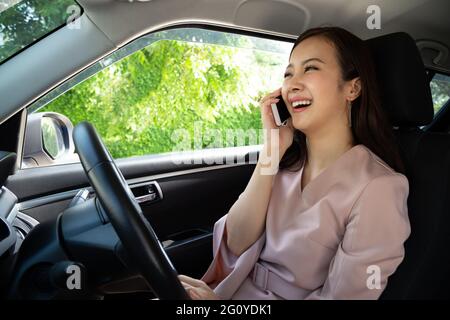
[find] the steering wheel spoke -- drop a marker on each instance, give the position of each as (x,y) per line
(134,230)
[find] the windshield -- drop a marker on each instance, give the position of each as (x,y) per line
(23,22)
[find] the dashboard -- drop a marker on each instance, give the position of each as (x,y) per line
(8,213)
(14,225)
(8,209)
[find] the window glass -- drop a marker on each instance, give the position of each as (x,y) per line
(24,22)
(175,90)
(440,91)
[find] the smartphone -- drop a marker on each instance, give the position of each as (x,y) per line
(280,112)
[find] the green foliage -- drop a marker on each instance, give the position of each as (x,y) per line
(29,20)
(440,90)
(139,102)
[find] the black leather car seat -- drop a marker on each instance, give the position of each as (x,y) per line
(406,97)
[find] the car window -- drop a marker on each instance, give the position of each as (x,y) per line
(440,91)
(24,22)
(175,90)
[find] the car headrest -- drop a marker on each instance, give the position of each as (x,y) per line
(404,88)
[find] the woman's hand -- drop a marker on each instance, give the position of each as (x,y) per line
(286,133)
(197,289)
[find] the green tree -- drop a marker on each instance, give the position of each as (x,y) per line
(29,20)
(138,102)
(440,90)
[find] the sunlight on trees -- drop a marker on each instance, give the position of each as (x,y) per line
(138,102)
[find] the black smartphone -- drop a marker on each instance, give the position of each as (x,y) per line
(280,112)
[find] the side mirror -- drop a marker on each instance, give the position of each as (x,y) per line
(48,140)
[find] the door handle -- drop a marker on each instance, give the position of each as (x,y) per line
(147,192)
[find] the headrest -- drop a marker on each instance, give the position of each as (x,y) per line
(404,88)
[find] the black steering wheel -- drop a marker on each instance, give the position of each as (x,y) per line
(134,230)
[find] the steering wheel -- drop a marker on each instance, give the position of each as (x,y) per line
(137,236)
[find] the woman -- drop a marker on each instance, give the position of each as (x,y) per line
(331,223)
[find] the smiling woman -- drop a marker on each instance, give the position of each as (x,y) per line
(335,227)
(24,22)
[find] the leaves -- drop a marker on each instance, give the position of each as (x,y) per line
(440,90)
(29,20)
(139,102)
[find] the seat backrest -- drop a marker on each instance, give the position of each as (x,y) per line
(406,97)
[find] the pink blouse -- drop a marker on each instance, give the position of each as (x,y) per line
(339,238)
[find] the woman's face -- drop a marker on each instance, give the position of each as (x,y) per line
(313,77)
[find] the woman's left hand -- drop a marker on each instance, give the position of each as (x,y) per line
(197,289)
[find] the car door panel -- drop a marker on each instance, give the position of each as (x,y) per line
(194,196)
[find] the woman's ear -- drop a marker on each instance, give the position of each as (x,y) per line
(354,89)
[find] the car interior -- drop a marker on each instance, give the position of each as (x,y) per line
(132,224)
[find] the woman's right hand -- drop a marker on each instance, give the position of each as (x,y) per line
(197,289)
(286,133)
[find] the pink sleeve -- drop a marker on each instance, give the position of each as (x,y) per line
(372,246)
(228,271)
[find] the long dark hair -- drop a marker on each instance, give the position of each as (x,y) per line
(370,125)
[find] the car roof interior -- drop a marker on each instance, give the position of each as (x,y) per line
(110,24)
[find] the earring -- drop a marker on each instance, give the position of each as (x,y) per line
(349,106)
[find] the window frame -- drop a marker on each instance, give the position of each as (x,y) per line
(91,70)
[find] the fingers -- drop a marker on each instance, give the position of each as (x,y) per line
(191,281)
(186,286)
(267,101)
(191,291)
(265,106)
(266,113)
(271,95)
(194,295)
